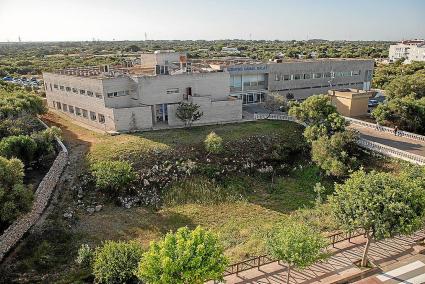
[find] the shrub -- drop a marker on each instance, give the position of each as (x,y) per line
(21,146)
(213,143)
(45,141)
(113,176)
(184,257)
(85,256)
(11,172)
(14,202)
(20,103)
(116,262)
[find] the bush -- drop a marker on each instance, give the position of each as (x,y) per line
(113,176)
(213,143)
(45,141)
(85,256)
(116,262)
(19,103)
(22,147)
(11,172)
(184,257)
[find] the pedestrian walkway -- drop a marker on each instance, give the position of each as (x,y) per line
(339,265)
(402,143)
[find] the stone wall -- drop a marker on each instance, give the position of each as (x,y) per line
(20,227)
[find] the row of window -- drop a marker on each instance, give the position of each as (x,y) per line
(307,76)
(80,112)
(323,86)
(75,91)
(118,94)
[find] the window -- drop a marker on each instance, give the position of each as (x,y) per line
(346,74)
(317,75)
(62,88)
(82,92)
(74,90)
(118,94)
(286,77)
(277,77)
(173,91)
(355,73)
(85,113)
(58,105)
(90,93)
(328,74)
(68,89)
(55,86)
(92,115)
(101,118)
(297,76)
(307,76)
(71,109)
(98,95)
(78,111)
(65,107)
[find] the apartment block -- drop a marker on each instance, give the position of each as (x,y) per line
(410,50)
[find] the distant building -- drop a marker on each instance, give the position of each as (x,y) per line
(230,50)
(410,50)
(350,102)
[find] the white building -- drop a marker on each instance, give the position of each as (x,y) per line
(411,50)
(141,97)
(230,50)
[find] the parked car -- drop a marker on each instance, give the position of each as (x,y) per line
(8,79)
(372,103)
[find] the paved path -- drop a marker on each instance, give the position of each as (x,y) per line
(382,253)
(402,143)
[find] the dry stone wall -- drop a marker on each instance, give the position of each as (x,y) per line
(20,227)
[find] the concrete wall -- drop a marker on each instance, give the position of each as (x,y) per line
(153,90)
(135,118)
(120,84)
(213,111)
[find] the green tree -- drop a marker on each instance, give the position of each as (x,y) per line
(381,204)
(336,154)
(188,113)
(113,176)
(20,103)
(116,262)
(275,102)
(213,143)
(296,244)
(320,116)
(21,146)
(183,257)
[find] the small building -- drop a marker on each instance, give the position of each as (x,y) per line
(350,102)
(410,50)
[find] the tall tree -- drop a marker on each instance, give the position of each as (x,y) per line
(381,204)
(183,257)
(274,102)
(296,244)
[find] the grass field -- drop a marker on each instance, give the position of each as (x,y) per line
(240,208)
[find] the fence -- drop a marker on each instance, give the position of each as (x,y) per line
(258,261)
(12,235)
(380,128)
(374,146)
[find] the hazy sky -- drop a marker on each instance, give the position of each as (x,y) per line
(57,20)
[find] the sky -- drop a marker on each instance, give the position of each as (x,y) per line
(80,20)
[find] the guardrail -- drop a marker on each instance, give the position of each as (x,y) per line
(258,261)
(386,129)
(374,146)
(391,151)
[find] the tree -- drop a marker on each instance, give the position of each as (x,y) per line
(19,103)
(21,146)
(320,116)
(188,113)
(113,176)
(335,154)
(116,262)
(183,257)
(274,102)
(213,143)
(15,198)
(381,204)
(296,244)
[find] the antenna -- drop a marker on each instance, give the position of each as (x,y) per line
(19,38)
(146,36)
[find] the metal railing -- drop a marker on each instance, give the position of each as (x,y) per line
(258,261)
(391,151)
(386,129)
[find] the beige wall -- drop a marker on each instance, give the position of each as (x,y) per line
(124,118)
(351,104)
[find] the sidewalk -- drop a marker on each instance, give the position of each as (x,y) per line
(340,264)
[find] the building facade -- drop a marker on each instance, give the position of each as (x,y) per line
(297,79)
(410,50)
(117,100)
